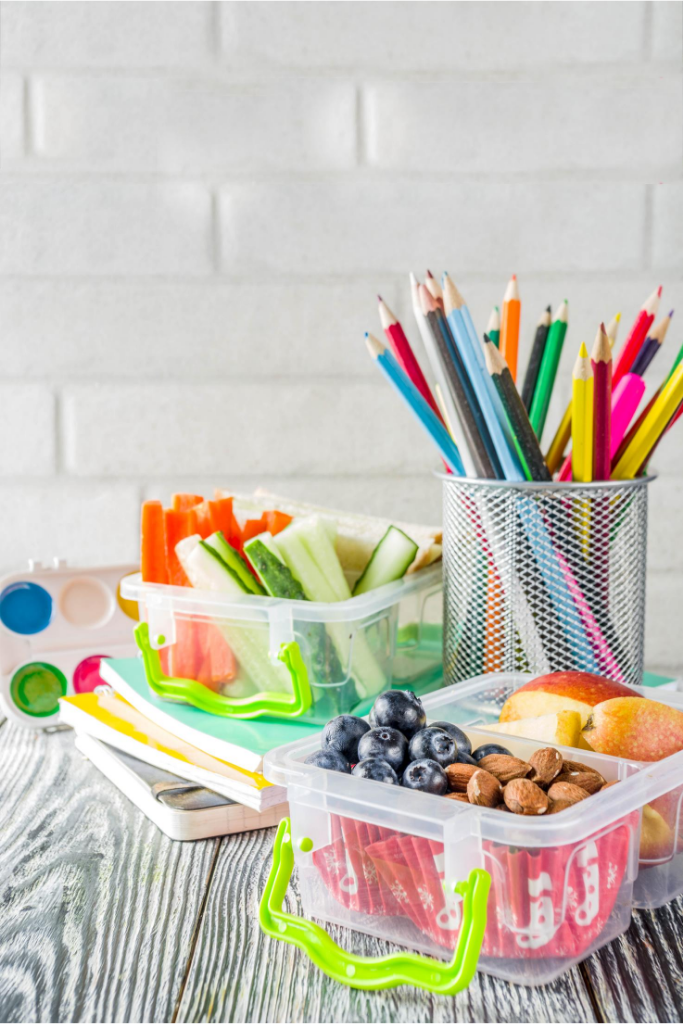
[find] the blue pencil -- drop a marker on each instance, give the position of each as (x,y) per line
(489,401)
(430,423)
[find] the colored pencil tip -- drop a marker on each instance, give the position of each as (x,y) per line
(618,317)
(487,340)
(497,309)
(671,313)
(375,347)
(583,351)
(548,309)
(380,299)
(429,274)
(659,291)
(602,327)
(514,277)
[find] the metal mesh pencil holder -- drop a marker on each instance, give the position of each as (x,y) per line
(544,577)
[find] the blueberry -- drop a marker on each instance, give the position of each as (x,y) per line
(458,735)
(389,744)
(426,775)
(342,733)
(399,709)
(489,748)
(464,758)
(330,759)
(434,744)
(376,769)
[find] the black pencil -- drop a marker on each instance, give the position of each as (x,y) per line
(474,428)
(525,439)
(535,358)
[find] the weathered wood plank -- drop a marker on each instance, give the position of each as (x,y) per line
(97,907)
(237,974)
(639,976)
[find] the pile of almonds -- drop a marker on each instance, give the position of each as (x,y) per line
(545,784)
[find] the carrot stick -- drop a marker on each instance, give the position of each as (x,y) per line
(178,526)
(153,543)
(223,519)
(182,502)
(203,514)
(276,521)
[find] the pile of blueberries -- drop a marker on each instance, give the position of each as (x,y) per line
(397,747)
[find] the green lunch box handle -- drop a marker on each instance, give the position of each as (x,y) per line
(274,705)
(443,979)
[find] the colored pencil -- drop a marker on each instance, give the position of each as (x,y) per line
(625,400)
(636,337)
(460,388)
(548,371)
(469,346)
(555,454)
(452,415)
(651,346)
(404,354)
(422,412)
(509,327)
(635,426)
(534,364)
(493,327)
(582,418)
(434,289)
(526,442)
(601,361)
(652,427)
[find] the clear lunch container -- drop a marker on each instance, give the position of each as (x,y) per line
(352,650)
(386,861)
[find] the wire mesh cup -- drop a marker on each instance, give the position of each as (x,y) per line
(544,577)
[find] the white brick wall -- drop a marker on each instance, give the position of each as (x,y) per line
(199,202)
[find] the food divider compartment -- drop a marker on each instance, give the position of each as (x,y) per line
(353,650)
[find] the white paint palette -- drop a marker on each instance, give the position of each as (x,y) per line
(56,624)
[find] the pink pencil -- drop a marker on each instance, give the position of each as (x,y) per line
(404,354)
(625,400)
(636,337)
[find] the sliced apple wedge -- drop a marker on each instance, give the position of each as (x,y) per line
(563,727)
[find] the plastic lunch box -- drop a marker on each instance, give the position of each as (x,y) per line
(395,863)
(391,636)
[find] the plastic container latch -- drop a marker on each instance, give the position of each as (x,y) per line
(281,624)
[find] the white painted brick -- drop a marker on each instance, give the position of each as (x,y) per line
(667,31)
(414,499)
(529,126)
(27,430)
(663,634)
(11,120)
(355,227)
(198,331)
(240,428)
(100,227)
(184,126)
(400,37)
(668,227)
(100,35)
(85,523)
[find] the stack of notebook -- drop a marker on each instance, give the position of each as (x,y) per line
(194,774)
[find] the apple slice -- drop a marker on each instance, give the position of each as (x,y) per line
(562,691)
(563,727)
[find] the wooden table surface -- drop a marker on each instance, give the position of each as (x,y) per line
(102,918)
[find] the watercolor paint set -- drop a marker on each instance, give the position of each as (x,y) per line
(57,623)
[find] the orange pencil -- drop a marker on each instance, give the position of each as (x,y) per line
(509,327)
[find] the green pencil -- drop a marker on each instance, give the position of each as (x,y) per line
(548,371)
(493,329)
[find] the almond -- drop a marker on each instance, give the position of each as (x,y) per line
(578,766)
(546,764)
(608,784)
(590,781)
(484,789)
(525,797)
(567,793)
(558,805)
(458,796)
(504,767)
(459,775)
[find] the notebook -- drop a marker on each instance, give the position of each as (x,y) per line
(108,717)
(181,809)
(241,742)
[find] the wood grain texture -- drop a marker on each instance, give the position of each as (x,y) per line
(639,976)
(237,974)
(97,906)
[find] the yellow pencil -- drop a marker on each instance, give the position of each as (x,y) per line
(582,418)
(651,428)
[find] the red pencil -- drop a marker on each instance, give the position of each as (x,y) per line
(636,337)
(404,354)
(601,361)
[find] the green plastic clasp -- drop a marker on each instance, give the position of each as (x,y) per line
(274,705)
(383,972)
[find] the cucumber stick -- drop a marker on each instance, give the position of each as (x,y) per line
(389,561)
(277,578)
(234,562)
(206,570)
(306,548)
